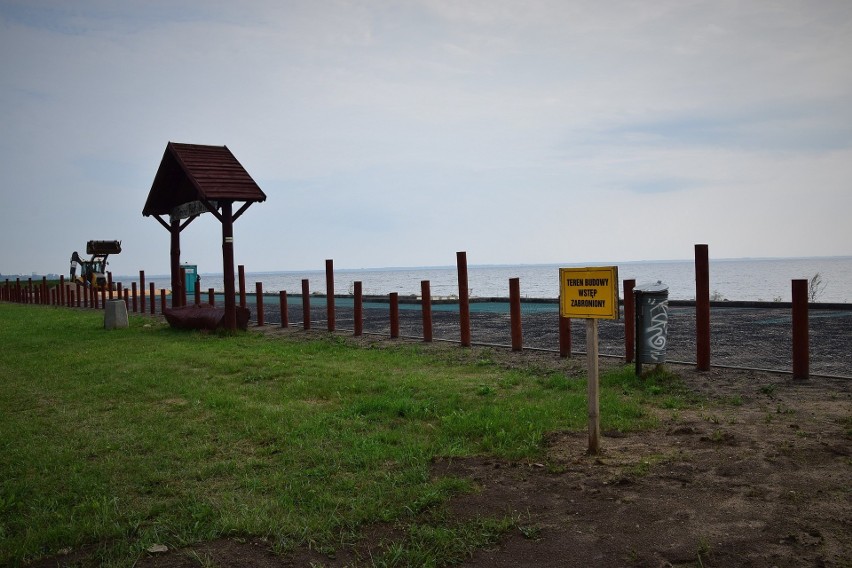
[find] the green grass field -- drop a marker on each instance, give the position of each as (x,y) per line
(123,439)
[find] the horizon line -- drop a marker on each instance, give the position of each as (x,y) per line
(533,264)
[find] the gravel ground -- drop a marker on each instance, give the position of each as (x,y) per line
(740,337)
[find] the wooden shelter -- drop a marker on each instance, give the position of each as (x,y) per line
(193,179)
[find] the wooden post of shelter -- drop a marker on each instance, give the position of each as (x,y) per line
(194,179)
(228,265)
(179,298)
(174,258)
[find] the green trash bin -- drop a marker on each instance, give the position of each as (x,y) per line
(652,322)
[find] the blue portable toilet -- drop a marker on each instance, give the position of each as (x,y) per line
(191,271)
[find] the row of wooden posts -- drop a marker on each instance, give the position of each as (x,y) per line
(74,294)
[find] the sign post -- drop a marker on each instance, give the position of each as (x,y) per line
(591,294)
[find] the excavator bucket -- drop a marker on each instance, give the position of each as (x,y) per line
(103,247)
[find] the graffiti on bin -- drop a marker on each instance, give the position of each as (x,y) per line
(656,331)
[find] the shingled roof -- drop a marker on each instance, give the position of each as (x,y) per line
(192,172)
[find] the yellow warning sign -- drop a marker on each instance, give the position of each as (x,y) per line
(589,293)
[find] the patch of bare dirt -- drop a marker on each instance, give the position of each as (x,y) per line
(763,483)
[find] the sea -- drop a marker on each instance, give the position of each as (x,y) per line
(746,279)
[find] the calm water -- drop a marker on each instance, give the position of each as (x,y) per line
(742,279)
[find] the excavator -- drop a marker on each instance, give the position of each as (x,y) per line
(93,271)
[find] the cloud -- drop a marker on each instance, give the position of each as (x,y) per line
(811,126)
(398,133)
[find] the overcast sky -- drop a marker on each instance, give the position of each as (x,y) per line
(397,133)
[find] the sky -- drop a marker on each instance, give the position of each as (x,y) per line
(396,133)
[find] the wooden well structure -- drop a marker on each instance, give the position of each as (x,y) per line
(194,179)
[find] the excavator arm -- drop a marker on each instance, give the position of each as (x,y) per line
(75,260)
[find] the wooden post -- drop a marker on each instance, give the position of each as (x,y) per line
(182,295)
(163,301)
(329,293)
(564,337)
(306,304)
(426,304)
(359,309)
(198,292)
(594,402)
(109,286)
(464,299)
(258,292)
(61,294)
(638,325)
(394,315)
(515,314)
(228,265)
(629,321)
(241,270)
(135,298)
(174,251)
(142,291)
(801,363)
(153,299)
(282,304)
(211,296)
(702,307)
